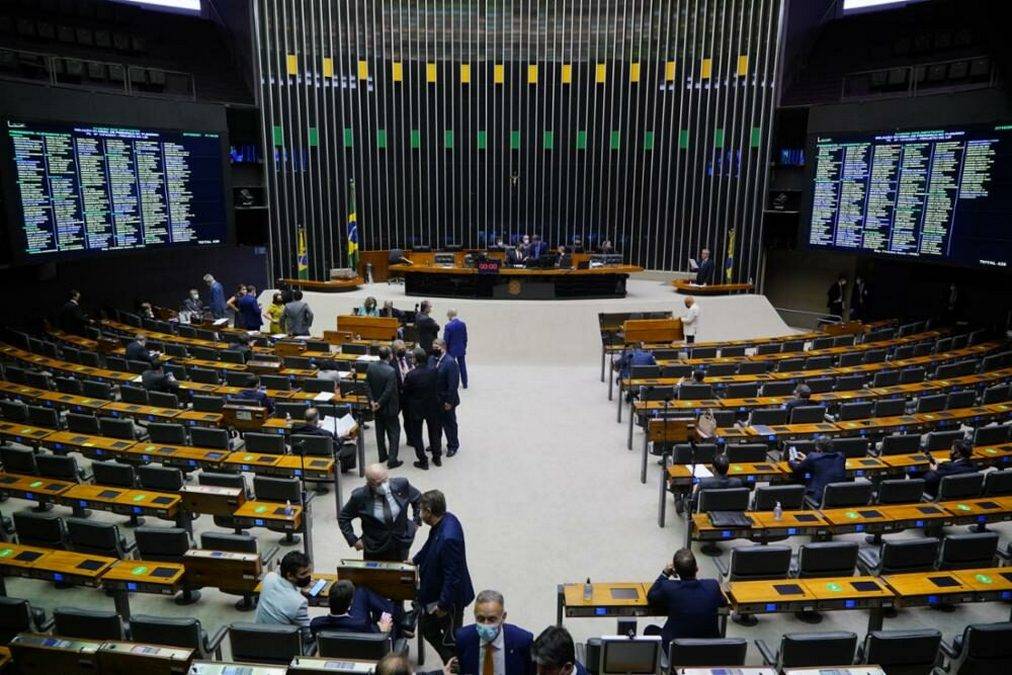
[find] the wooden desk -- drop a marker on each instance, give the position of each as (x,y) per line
(17,560)
(186,457)
(124,501)
(130,658)
(686,287)
(141,413)
(257,513)
(32,488)
(139,576)
(808,595)
(211,499)
(748,472)
(77,404)
(929,588)
(5,658)
(229,571)
(96,447)
(38,654)
(609,599)
(249,461)
(512,283)
(988,584)
(25,434)
(978,511)
(857,519)
(67,567)
(196,418)
(394,580)
(330,286)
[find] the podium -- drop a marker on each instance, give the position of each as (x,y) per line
(129,658)
(230,572)
(652,330)
(666,431)
(37,654)
(243,417)
(380,328)
(394,580)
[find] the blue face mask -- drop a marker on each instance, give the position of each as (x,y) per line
(487,632)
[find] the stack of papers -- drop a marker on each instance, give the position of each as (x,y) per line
(368,357)
(324,396)
(702,472)
(341,426)
(221,322)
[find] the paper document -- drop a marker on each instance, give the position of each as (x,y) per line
(220,322)
(341,426)
(279,336)
(368,357)
(324,396)
(702,472)
(693,265)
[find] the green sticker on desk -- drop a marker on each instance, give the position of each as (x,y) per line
(247,458)
(853,515)
(963,507)
(260,509)
(26,430)
(150,448)
(139,570)
(140,498)
(6,552)
(737,469)
(983,578)
(991,451)
(833,586)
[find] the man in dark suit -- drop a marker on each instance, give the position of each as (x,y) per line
(447,388)
(719,480)
(71,318)
(959,462)
(444,583)
(455,336)
(704,274)
(490,646)
(554,653)
(691,604)
(819,468)
(802,397)
(242,346)
(310,426)
(538,248)
(562,258)
(425,326)
(138,350)
(156,379)
(381,379)
(354,610)
(390,311)
(836,295)
(421,405)
(515,257)
(382,509)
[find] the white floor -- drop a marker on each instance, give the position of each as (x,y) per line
(543,484)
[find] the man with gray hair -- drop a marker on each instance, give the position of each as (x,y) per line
(217,301)
(490,646)
(802,397)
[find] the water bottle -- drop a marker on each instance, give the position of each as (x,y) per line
(588,590)
(288,418)
(778,512)
(288,507)
(368,272)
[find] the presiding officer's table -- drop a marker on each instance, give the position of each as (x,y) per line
(515,283)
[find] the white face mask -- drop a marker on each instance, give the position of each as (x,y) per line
(383,488)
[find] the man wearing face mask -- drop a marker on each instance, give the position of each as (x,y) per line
(555,654)
(381,506)
(281,598)
(491,646)
(193,305)
(447,385)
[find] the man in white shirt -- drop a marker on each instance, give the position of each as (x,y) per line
(281,598)
(690,322)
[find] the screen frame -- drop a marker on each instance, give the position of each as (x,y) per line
(808,198)
(15,213)
(153,6)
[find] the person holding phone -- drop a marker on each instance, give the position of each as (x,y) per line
(355,610)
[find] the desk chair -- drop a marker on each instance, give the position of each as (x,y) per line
(83,424)
(19,460)
(903,352)
(930,404)
(69,385)
(721,369)
(799,650)
(850,360)
(279,382)
(742,390)
(166,544)
(177,350)
(822,342)
(754,563)
(912,374)
(705,452)
(968,551)
(753,367)
(790,497)
(843,341)
(890,407)
(265,643)
(982,649)
(900,444)
(317,385)
(280,490)
(901,652)
(821,385)
(161,432)
(732,351)
(851,382)
(268,444)
(824,559)
(230,480)
(767,416)
(808,414)
(203,353)
(960,486)
(38,380)
(15,374)
(163,399)
(703,352)
(35,529)
(694,392)
(991,435)
(778,389)
(900,491)
(966,398)
(241,378)
(676,370)
(885,378)
(897,556)
(818,362)
(61,467)
(231,356)
(207,437)
(85,536)
(746,452)
(312,445)
(119,428)
(997,483)
(771,348)
(688,652)
(41,416)
(846,493)
(118,475)
(941,440)
(210,404)
(998,393)
(637,372)
(238,543)
(13,411)
(184,632)
(875,355)
(851,447)
(297,409)
(131,394)
(359,646)
(720,499)
(18,616)
(791,365)
(89,624)
(303,362)
(204,375)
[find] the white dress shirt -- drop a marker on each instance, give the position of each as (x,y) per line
(377,506)
(498,654)
(691,320)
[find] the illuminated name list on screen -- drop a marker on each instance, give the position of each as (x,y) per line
(93,189)
(937,194)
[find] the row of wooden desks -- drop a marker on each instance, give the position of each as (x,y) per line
(875,594)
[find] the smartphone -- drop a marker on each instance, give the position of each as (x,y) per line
(792,453)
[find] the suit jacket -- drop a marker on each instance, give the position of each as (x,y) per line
(717,482)
(834,298)
(442,567)
(537,249)
(455,335)
(427,329)
(71,318)
(311,430)
(447,379)
(691,606)
(155,381)
(377,535)
(249,310)
(516,642)
(933,477)
(796,402)
(704,275)
(421,399)
(136,352)
(563,261)
(381,378)
(820,469)
(514,257)
(297,317)
(367,607)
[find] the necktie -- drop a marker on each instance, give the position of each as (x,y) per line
(388,515)
(487,666)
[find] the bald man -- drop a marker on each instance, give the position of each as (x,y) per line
(381,506)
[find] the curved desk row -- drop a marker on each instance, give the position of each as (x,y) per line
(686,287)
(515,284)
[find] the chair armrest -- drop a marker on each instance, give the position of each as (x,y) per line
(130,547)
(308,497)
(949,649)
(85,476)
(769,658)
(214,644)
(810,503)
(269,555)
(400,646)
(46,625)
(722,567)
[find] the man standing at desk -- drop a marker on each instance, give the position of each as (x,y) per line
(704,274)
(138,350)
(447,383)
(382,508)
(426,326)
(691,604)
(538,248)
(491,646)
(297,316)
(281,599)
(384,397)
(217,301)
(690,322)
(444,583)
(71,318)
(819,468)
(455,336)
(836,296)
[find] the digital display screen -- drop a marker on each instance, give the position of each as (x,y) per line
(176,5)
(89,190)
(939,195)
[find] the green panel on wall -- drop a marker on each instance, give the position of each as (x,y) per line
(683,138)
(718,138)
(615,139)
(581,140)
(548,140)
(482,139)
(515,139)
(279,136)
(349,137)
(648,140)
(757,137)
(381,139)
(314,137)
(416,139)
(448,139)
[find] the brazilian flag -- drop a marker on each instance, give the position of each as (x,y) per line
(729,261)
(352,228)
(303,255)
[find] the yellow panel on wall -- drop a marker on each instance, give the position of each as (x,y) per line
(363,70)
(743,64)
(431,73)
(706,68)
(601,73)
(669,71)
(634,72)
(328,66)
(292,63)
(567,73)
(465,73)
(532,73)
(498,73)
(397,71)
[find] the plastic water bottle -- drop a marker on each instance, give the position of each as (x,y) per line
(288,417)
(588,590)
(288,507)
(778,512)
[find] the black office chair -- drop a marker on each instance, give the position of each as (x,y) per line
(204,375)
(205,437)
(856,410)
(900,491)
(640,372)
(808,414)
(278,382)
(85,536)
(695,392)
(209,404)
(231,356)
(38,380)
(318,385)
(897,556)
(675,370)
(790,497)
(117,428)
(930,404)
(88,624)
(846,493)
(890,407)
(997,483)
(982,649)
(960,486)
(721,369)
(855,446)
(746,452)
(818,363)
(682,453)
(753,563)
(60,467)
(18,616)
(941,440)
(19,460)
(850,382)
(768,416)
(824,559)
(703,352)
(967,551)
(753,368)
(742,390)
(886,378)
(690,652)
(901,652)
(722,499)
(135,395)
(279,490)
(992,435)
(163,399)
(998,393)
(900,444)
(850,359)
(172,434)
(40,416)
(162,478)
(36,529)
(800,650)
(268,444)
(912,374)
(83,424)
(265,643)
(166,544)
(967,398)
(185,632)
(69,385)
(359,646)
(770,348)
(790,365)
(13,411)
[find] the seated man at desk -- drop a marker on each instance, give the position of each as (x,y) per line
(138,350)
(242,346)
(802,397)
(281,598)
(491,646)
(156,379)
(515,257)
(355,610)
(959,462)
(719,480)
(310,426)
(638,355)
(554,653)
(691,604)
(562,258)
(697,377)
(819,468)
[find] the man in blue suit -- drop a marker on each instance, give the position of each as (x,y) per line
(538,247)
(355,610)
(217,302)
(704,274)
(555,654)
(444,584)
(455,336)
(819,468)
(447,383)
(490,646)
(690,603)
